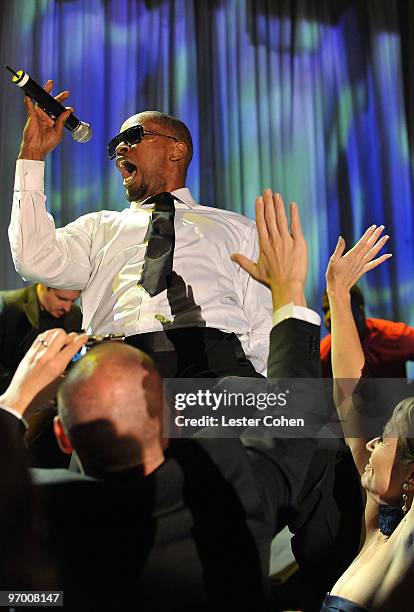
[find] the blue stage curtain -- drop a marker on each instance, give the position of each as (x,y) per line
(306,97)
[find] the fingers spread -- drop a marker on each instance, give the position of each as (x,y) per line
(376,262)
(339,249)
(376,248)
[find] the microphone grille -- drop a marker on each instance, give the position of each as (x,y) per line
(83,132)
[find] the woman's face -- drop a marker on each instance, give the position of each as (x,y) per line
(385,474)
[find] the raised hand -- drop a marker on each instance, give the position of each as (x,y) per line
(283,256)
(42,134)
(344,271)
(41,368)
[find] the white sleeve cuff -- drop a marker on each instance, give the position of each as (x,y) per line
(291,311)
(16,414)
(29,175)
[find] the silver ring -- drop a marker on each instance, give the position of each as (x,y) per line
(42,341)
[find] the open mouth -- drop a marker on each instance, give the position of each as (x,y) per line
(127,170)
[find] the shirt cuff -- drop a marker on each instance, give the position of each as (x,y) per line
(29,175)
(291,311)
(16,414)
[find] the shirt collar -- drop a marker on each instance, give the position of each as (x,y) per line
(183,197)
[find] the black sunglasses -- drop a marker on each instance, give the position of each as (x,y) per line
(131,136)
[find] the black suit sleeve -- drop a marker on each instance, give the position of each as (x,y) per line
(14,426)
(294,350)
(281,464)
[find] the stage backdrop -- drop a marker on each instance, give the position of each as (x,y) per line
(310,98)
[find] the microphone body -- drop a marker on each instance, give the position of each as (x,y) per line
(81,131)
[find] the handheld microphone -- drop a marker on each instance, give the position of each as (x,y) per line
(81,131)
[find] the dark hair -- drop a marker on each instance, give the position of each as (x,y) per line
(177,127)
(357,297)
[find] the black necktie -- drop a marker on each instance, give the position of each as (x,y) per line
(157,270)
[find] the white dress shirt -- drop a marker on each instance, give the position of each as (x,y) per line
(102,254)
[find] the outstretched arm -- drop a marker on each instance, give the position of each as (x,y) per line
(282,464)
(348,359)
(40,253)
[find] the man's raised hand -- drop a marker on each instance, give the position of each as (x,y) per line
(42,134)
(283,256)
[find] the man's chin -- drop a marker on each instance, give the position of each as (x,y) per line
(135,193)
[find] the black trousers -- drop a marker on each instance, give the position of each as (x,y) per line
(195,352)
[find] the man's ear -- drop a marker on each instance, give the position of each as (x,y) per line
(178,151)
(61,436)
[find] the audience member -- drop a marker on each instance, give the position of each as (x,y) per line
(387,345)
(158,272)
(380,578)
(182,524)
(24,313)
(23,561)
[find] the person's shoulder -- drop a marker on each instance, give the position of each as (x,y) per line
(230,215)
(98,217)
(385,327)
(216,213)
(111,217)
(13,297)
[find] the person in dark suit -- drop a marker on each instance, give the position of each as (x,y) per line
(182,524)
(22,557)
(24,313)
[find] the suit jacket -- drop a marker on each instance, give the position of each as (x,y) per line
(14,426)
(19,325)
(196,533)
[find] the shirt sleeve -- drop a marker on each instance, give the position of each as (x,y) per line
(41,253)
(257,307)
(292,311)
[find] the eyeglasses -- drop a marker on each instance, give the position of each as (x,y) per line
(131,136)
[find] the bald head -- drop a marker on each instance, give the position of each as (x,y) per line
(110,406)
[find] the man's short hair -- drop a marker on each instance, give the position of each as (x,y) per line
(176,126)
